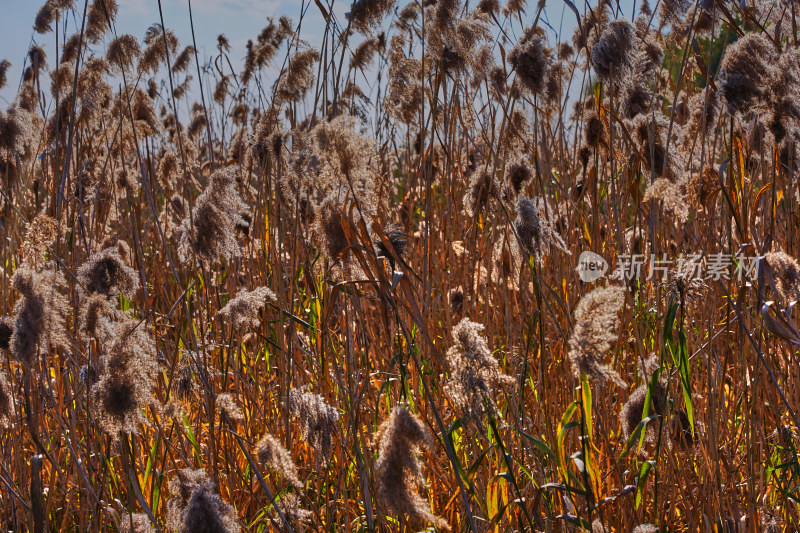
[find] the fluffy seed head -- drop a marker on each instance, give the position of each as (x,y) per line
(366,15)
(127,378)
(243,308)
(227,404)
(208,512)
(155,53)
(474,375)
(398,472)
(530,59)
(209,234)
(318,420)
(122,51)
(292,510)
(45,17)
(195,506)
(6,402)
(99,17)
(535,233)
(39,313)
(298,77)
(670,193)
(786,273)
(612,54)
(272,453)
(106,273)
(136,523)
(594,332)
(744,73)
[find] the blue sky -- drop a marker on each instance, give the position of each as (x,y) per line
(240,20)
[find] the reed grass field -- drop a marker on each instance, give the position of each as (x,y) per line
(451,269)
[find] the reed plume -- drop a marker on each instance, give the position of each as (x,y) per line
(106,273)
(6,402)
(39,313)
(613,52)
(196,506)
(786,272)
(366,15)
(474,375)
(744,73)
(209,234)
(271,452)
(129,367)
(398,473)
(136,523)
(593,333)
(243,309)
(536,234)
(317,419)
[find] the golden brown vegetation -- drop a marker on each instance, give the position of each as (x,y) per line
(325,302)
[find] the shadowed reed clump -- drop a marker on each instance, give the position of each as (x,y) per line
(196,506)
(271,452)
(530,59)
(398,474)
(703,188)
(129,368)
(518,174)
(317,419)
(595,324)
(398,241)
(744,73)
(209,234)
(613,53)
(632,412)
(208,513)
(39,313)
(482,187)
(474,375)
(328,230)
(536,235)
(95,313)
(243,308)
(6,331)
(106,273)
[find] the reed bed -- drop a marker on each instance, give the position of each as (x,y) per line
(353,296)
